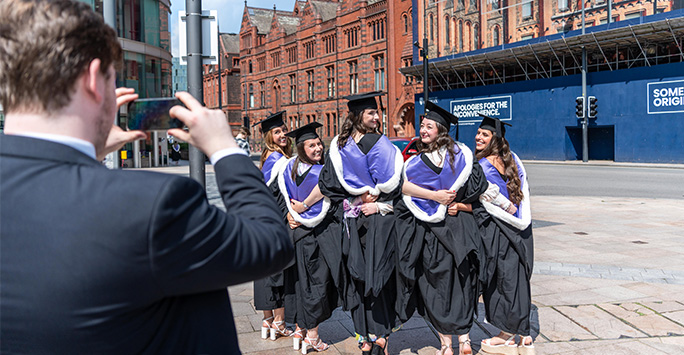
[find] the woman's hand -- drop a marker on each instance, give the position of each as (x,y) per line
(370,208)
(291,222)
(368,198)
(512,209)
(298,206)
(444,197)
(457,206)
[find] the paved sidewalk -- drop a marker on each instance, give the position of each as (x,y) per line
(608,279)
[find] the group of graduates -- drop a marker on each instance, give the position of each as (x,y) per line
(384,238)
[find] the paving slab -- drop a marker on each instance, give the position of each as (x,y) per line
(644,319)
(598,322)
(557,327)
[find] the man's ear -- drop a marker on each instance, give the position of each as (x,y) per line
(93,80)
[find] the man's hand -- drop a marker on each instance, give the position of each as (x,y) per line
(208,130)
(117,136)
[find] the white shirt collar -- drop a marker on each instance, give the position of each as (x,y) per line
(81,145)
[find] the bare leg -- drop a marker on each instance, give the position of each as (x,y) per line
(446,346)
(464,345)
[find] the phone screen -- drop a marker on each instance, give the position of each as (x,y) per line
(152,114)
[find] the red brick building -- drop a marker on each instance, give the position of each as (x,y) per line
(306,60)
(230,80)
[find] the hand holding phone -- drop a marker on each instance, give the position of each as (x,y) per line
(153,114)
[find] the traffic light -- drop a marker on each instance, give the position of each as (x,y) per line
(579,107)
(593,107)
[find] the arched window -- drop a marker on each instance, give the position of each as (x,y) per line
(495,36)
(432,28)
(460,36)
(476,36)
(404,17)
(468,37)
(250,67)
(447,32)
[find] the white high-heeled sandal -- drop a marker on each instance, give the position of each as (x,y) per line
(275,330)
(315,343)
(525,349)
(509,347)
(297,338)
(265,326)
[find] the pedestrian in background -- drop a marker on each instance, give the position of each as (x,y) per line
(99,261)
(363,175)
(269,293)
(507,236)
(242,139)
(438,244)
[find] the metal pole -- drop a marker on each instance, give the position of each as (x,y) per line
(193,12)
(426,90)
(156,146)
(220,57)
(585,120)
(109,15)
(610,11)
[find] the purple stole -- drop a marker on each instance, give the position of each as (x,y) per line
(271,164)
(375,172)
(522,217)
(289,189)
(450,178)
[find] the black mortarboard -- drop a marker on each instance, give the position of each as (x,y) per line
(440,115)
(358,103)
(304,132)
(494,125)
(271,122)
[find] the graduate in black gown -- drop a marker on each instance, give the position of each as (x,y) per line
(438,244)
(315,295)
(362,174)
(269,293)
(507,236)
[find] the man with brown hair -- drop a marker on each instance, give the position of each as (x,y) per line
(97,261)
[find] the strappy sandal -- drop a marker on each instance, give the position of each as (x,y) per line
(297,338)
(461,350)
(526,349)
(442,350)
(265,326)
(277,331)
(366,352)
(509,347)
(315,343)
(377,349)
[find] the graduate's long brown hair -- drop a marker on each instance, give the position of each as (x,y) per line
(271,147)
(352,122)
(302,157)
(499,146)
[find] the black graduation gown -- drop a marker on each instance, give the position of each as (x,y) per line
(367,279)
(310,292)
(439,262)
(507,272)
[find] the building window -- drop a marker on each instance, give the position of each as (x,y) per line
(404,18)
(495,4)
(330,43)
(460,36)
(275,59)
(379,70)
(526,37)
(291,55)
(352,37)
(495,36)
(293,88)
(476,36)
(262,94)
(562,5)
(330,80)
(250,67)
(527,10)
(407,62)
(447,29)
(309,50)
(261,63)
(251,96)
(310,85)
(377,29)
(432,28)
(353,77)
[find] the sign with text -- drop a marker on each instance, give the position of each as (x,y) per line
(666,97)
(468,111)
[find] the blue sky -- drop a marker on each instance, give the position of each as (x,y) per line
(229,14)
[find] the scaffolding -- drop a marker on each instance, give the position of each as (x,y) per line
(641,42)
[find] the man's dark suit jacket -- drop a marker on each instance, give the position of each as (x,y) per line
(95,261)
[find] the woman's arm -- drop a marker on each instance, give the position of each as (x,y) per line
(314,196)
(494,196)
(442,196)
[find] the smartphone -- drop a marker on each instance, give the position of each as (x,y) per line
(153,114)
